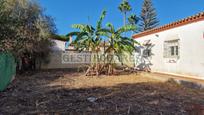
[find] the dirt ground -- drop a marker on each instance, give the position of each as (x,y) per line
(63,92)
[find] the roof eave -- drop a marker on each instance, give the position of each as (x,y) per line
(189,20)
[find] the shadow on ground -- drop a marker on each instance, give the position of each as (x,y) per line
(32,95)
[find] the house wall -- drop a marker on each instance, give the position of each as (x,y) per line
(191,61)
(59,45)
(55,58)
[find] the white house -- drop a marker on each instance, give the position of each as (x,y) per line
(176,48)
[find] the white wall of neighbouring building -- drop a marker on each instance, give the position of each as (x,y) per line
(59,45)
(191,51)
(55,57)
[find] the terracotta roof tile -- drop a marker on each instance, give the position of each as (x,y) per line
(188,20)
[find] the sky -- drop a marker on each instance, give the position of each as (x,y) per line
(68,12)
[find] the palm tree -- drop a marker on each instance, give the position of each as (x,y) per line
(124,7)
(118,43)
(133,20)
(89,39)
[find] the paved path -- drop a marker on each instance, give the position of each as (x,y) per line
(189,82)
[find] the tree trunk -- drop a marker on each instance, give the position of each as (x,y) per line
(124,18)
(125,13)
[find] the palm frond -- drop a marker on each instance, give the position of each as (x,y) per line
(109,25)
(81,27)
(99,23)
(125,6)
(126,28)
(133,19)
(103,32)
(89,29)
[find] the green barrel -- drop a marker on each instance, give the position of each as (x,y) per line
(7,69)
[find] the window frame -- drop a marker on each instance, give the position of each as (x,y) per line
(172,49)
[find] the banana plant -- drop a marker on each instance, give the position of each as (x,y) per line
(118,43)
(88,38)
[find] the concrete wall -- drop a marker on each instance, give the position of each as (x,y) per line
(191,61)
(55,58)
(56,62)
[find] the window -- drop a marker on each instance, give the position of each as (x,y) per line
(174,50)
(171,49)
(177,53)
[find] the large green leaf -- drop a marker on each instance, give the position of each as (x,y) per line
(81,27)
(126,28)
(99,23)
